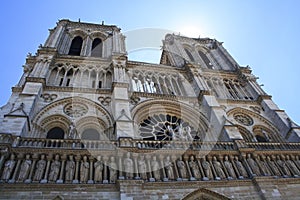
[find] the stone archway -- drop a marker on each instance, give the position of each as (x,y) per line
(205,194)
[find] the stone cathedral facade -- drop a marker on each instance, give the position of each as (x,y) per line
(85,122)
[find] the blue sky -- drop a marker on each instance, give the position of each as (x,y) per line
(261,34)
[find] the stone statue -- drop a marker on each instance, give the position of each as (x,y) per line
(175,136)
(187,134)
(128,166)
(169,168)
(253,165)
(194,168)
(54,169)
(72,131)
(70,169)
(112,170)
(155,169)
(292,166)
(218,167)
(283,166)
(229,167)
(142,167)
(84,170)
(273,167)
(98,165)
(206,167)
(25,168)
(264,166)
(39,169)
(8,168)
(182,168)
(240,167)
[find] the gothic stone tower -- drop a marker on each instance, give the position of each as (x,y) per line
(86,122)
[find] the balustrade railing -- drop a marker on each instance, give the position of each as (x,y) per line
(17,141)
(273,146)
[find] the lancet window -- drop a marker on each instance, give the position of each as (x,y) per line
(76,46)
(229,88)
(75,76)
(157,83)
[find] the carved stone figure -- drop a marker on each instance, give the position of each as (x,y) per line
(128,166)
(84,170)
(229,167)
(264,166)
(98,165)
(182,168)
(240,167)
(155,169)
(187,134)
(292,166)
(194,168)
(206,167)
(112,170)
(25,167)
(169,168)
(273,167)
(8,168)
(54,169)
(175,136)
(253,165)
(218,168)
(39,169)
(142,168)
(283,166)
(72,131)
(70,169)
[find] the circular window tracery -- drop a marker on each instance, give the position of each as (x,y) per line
(166,127)
(243,119)
(75,110)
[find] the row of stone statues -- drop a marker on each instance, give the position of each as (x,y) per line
(104,169)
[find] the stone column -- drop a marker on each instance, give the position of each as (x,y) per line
(161,159)
(209,159)
(2,158)
(244,161)
(105,174)
(186,160)
(200,166)
(90,181)
(135,156)
(77,160)
(175,167)
(234,166)
(49,158)
(221,158)
(19,159)
(32,167)
(149,158)
(62,167)
(120,165)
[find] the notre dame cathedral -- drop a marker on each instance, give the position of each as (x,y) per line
(84,122)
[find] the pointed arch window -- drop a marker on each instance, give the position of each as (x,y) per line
(189,55)
(76,46)
(205,59)
(96,48)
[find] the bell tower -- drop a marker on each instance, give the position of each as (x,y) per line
(77,60)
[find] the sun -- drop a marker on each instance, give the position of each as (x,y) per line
(190,31)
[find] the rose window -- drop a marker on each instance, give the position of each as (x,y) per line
(75,109)
(243,119)
(166,127)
